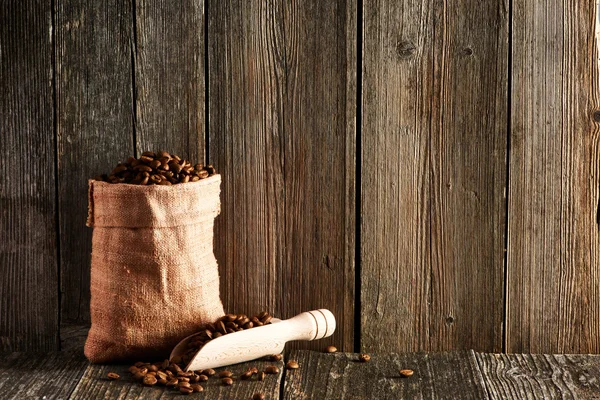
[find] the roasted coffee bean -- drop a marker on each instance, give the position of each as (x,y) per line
(139,376)
(364,358)
(330,349)
(161,381)
(261,376)
(197,388)
(247,375)
(152,368)
(150,380)
(202,378)
(275,357)
(209,372)
(272,369)
(146,159)
(133,369)
(183,379)
(258,396)
(406,372)
(113,376)
(194,378)
(183,384)
(172,382)
(254,370)
(186,390)
(227,381)
(161,375)
(292,364)
(225,374)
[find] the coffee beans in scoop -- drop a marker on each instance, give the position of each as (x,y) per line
(160,168)
(170,373)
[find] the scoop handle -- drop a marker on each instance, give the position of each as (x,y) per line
(310,325)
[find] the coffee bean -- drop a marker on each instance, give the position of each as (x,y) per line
(225,374)
(172,382)
(113,376)
(247,375)
(227,381)
(292,364)
(275,357)
(364,358)
(186,390)
(146,159)
(271,369)
(406,372)
(197,388)
(150,380)
(261,376)
(161,375)
(331,349)
(258,396)
(209,372)
(139,376)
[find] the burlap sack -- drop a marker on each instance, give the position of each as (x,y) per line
(154,277)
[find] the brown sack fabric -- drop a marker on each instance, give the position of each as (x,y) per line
(154,277)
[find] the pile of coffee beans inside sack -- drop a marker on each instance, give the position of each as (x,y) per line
(160,168)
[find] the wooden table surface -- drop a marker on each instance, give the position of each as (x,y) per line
(452,375)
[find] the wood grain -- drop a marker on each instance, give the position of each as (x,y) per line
(169,77)
(51,375)
(341,376)
(94,105)
(28,256)
(554,240)
(282,111)
(94,384)
(538,376)
(434,96)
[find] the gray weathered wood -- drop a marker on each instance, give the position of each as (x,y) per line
(169,77)
(553,279)
(94,384)
(94,126)
(73,336)
(526,376)
(340,376)
(282,110)
(40,375)
(28,256)
(434,132)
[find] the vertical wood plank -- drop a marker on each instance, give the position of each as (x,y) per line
(28,259)
(169,77)
(434,173)
(282,108)
(554,242)
(94,126)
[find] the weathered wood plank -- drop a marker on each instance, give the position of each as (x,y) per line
(94,384)
(73,336)
(537,376)
(282,110)
(553,278)
(340,376)
(169,77)
(28,256)
(40,375)
(94,108)
(434,132)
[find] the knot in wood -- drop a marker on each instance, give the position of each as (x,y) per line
(405,49)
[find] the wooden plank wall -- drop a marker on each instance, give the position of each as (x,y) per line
(554,215)
(434,161)
(427,170)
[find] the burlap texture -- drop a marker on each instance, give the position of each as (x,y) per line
(154,277)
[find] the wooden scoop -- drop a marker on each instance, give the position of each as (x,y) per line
(258,342)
